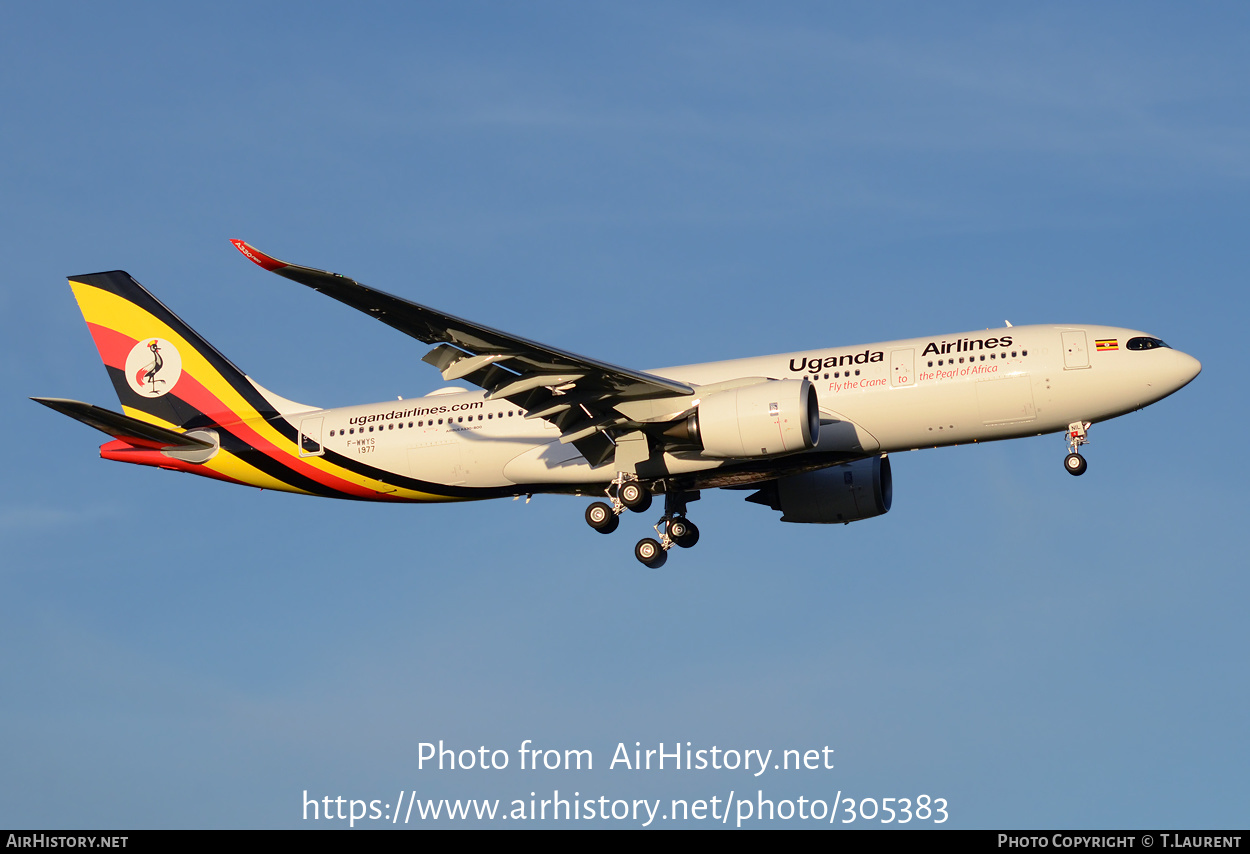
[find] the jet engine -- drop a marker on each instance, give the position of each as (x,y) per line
(761,420)
(845,493)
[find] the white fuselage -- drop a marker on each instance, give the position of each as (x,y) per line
(875,398)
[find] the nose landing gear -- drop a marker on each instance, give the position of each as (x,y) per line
(1078,434)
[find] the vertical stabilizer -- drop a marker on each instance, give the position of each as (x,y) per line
(162,370)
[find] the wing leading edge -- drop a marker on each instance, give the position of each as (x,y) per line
(577,394)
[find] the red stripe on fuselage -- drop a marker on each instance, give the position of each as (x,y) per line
(121,451)
(193,392)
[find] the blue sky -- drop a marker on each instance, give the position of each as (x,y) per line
(650,184)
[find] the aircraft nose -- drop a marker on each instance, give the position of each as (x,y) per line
(1183,370)
(1187,367)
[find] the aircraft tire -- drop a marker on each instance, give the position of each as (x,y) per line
(636,497)
(650,553)
(599,516)
(1075,464)
(683,532)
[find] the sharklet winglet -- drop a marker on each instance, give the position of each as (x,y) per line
(256,256)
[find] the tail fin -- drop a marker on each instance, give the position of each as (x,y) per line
(163,371)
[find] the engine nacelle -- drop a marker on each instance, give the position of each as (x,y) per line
(768,418)
(845,493)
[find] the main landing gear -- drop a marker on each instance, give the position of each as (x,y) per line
(1078,434)
(673,529)
(605,517)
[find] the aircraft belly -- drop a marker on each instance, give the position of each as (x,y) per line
(920,416)
(460,458)
(552,462)
(1099,393)
(1008,400)
(436,460)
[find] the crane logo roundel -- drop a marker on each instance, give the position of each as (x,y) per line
(153,367)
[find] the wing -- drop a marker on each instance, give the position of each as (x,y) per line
(578,394)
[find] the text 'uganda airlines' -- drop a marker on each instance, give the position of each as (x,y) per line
(808,432)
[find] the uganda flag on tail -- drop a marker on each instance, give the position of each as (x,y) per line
(1104,344)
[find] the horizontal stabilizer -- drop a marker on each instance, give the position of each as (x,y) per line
(131,430)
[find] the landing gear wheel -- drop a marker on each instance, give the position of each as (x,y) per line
(600,517)
(635,496)
(683,533)
(650,553)
(1078,434)
(1075,464)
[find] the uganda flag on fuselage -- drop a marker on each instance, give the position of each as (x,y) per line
(1102,345)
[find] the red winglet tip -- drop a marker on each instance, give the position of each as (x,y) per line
(255,255)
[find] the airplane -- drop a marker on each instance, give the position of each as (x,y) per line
(808,433)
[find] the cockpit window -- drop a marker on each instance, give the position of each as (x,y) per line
(1145,344)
